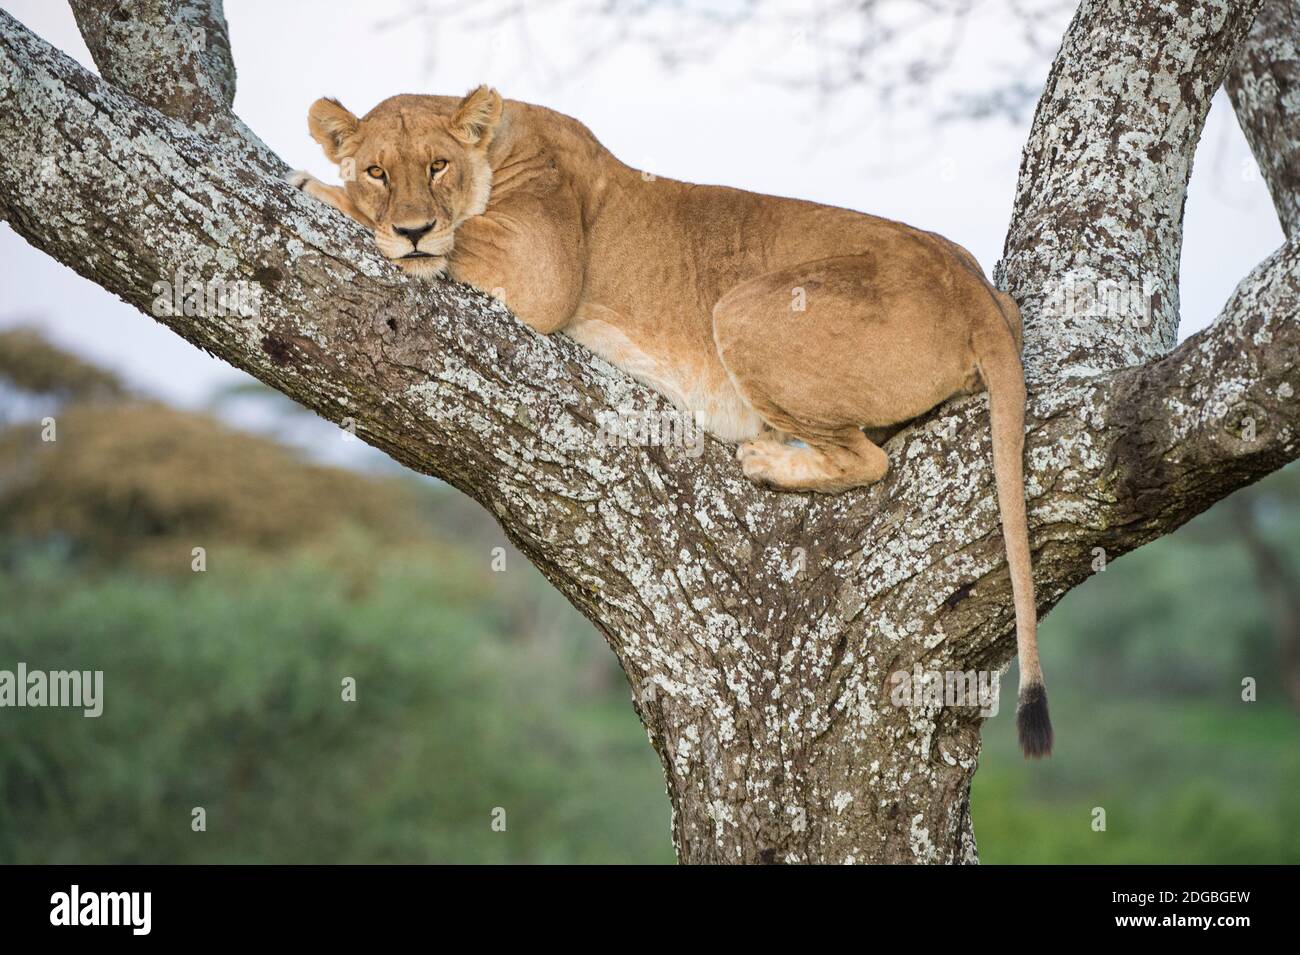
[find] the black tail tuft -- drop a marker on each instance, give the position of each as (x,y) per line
(1032,721)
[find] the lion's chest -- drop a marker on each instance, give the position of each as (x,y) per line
(681,366)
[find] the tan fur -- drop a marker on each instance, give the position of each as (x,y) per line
(773,320)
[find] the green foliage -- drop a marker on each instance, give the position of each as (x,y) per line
(225,692)
(1180,782)
(142,482)
(1145,664)
(30,363)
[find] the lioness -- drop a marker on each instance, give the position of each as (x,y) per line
(786,327)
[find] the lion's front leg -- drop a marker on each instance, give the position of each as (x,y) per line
(530,271)
(335,196)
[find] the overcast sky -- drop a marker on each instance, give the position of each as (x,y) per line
(726,120)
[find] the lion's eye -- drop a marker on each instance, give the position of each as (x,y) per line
(374,172)
(437,166)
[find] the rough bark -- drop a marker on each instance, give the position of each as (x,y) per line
(173,56)
(1096,232)
(1264,84)
(759,631)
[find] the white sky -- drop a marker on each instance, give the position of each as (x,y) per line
(723,121)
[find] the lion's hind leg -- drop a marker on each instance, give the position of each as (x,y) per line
(770,436)
(804,347)
(824,465)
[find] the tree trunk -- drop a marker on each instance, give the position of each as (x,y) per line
(763,634)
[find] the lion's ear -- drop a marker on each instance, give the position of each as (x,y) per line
(331,125)
(476,116)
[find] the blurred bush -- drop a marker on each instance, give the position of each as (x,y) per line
(1146,662)
(226,692)
(140,480)
(30,363)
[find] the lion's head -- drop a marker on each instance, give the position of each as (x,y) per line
(415,172)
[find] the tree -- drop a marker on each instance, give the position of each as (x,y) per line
(759,631)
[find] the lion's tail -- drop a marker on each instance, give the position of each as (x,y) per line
(997,348)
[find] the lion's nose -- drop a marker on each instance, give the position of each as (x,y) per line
(414,233)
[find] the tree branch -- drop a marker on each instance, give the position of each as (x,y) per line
(1096,232)
(1264,84)
(173,55)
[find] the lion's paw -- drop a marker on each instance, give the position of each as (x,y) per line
(766,443)
(298,178)
(758,461)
